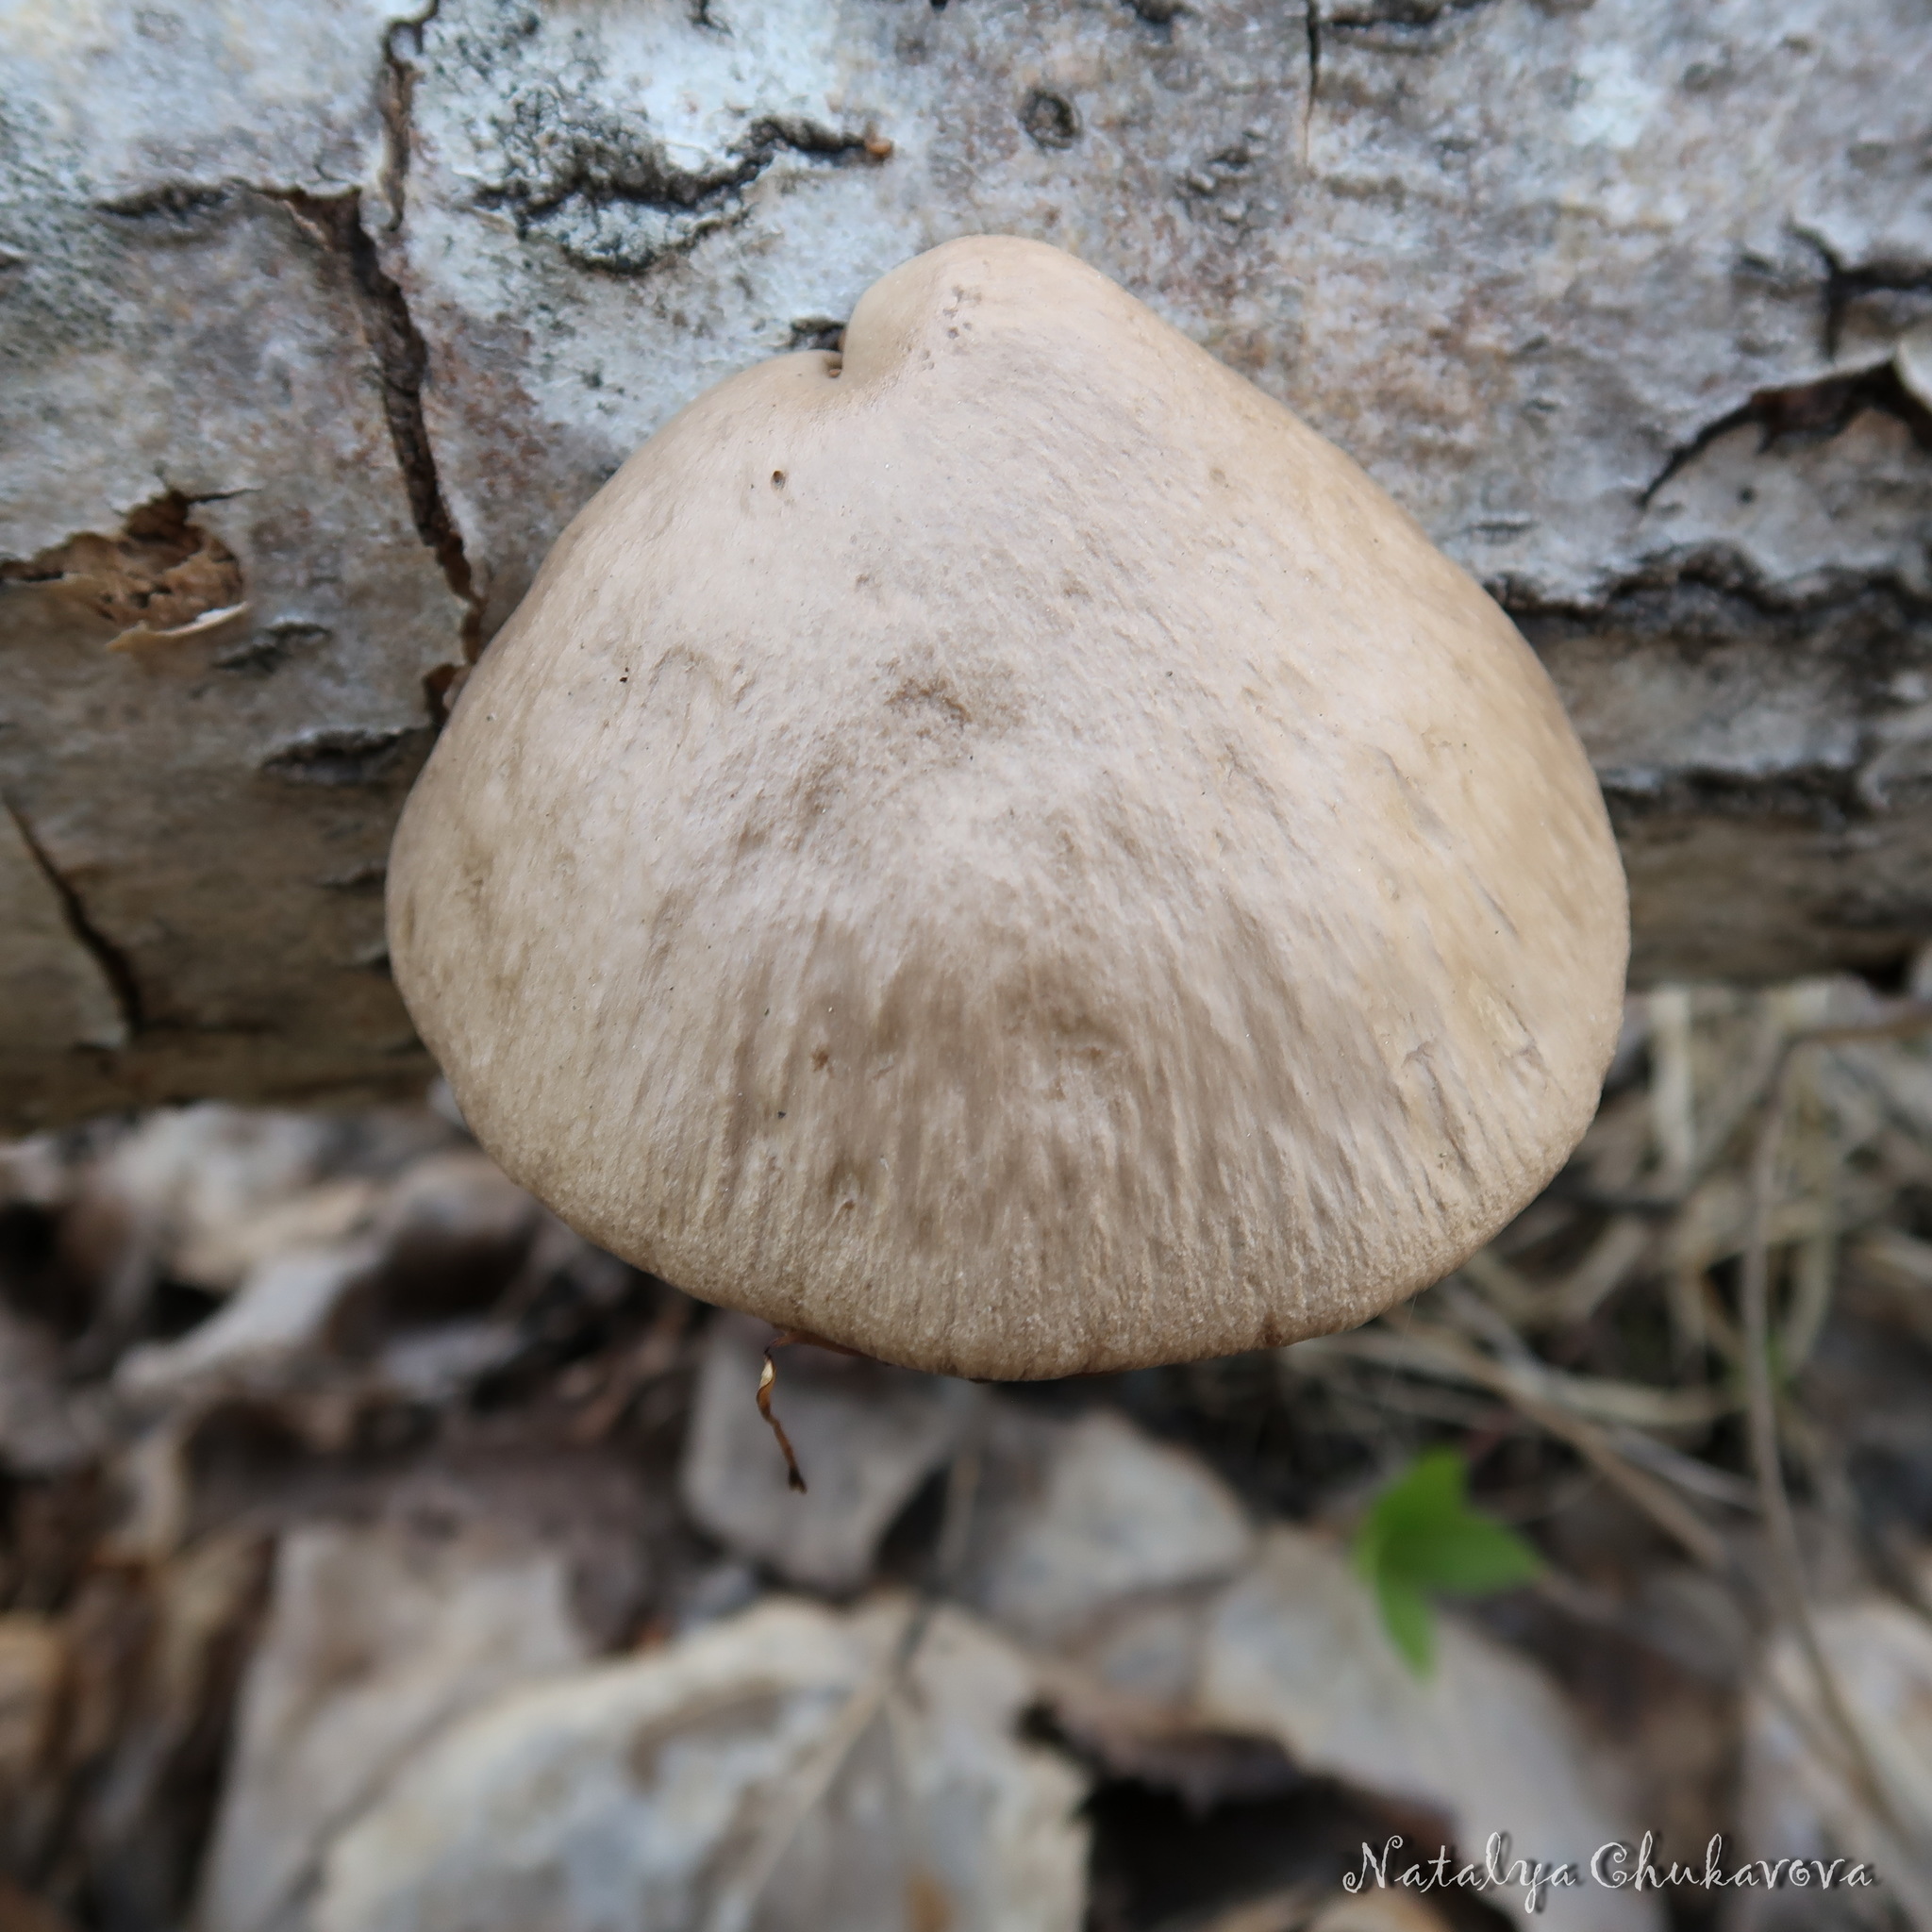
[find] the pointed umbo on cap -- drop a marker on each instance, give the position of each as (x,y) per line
(1004,850)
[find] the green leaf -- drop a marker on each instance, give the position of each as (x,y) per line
(1471,1557)
(1421,1536)
(1410,1621)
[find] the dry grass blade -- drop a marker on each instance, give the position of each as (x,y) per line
(1899,1258)
(963,1477)
(656,1353)
(1419,1349)
(1515,1298)
(1624,1243)
(1675,1518)
(1689,1473)
(1438,1353)
(1781,1526)
(1672,1088)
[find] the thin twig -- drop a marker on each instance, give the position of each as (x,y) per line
(794,1476)
(1674,1125)
(768,1378)
(1671,1192)
(963,1478)
(1624,1242)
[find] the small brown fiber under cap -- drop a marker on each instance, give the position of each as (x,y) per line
(1009,852)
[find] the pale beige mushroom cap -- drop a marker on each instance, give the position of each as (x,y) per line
(1013,855)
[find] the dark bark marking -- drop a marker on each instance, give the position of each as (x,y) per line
(342,755)
(114,965)
(178,209)
(588,180)
(159,572)
(1050,119)
(1400,26)
(817,332)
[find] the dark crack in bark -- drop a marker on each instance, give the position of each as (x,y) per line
(183,209)
(1806,411)
(1846,284)
(1312,26)
(1714,597)
(817,332)
(402,361)
(116,968)
(1823,796)
(414,452)
(1857,651)
(398,107)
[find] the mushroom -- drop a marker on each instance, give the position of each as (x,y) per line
(1005,851)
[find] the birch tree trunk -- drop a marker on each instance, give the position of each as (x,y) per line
(318,321)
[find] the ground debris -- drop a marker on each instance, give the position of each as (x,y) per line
(339,1481)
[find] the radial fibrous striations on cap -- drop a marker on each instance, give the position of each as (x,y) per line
(1007,851)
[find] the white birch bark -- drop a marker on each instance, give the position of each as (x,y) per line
(318,321)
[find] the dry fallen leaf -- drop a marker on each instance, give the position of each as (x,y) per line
(1080,1522)
(791,1769)
(1378,1912)
(33,1667)
(1295,1649)
(21,1913)
(376,1640)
